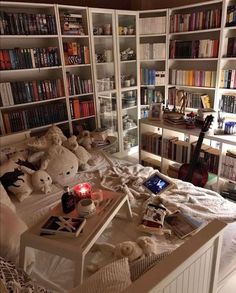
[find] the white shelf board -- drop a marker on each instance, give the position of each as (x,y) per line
(107,92)
(196,32)
(130,88)
(77,65)
(191,86)
(28,36)
(152,60)
(82,118)
(227,90)
(128,61)
(151,85)
(74,36)
(102,36)
(80,95)
(131,128)
(152,35)
(227,28)
(105,63)
(150,153)
(31,103)
(29,69)
(129,108)
(228,58)
(194,59)
(127,36)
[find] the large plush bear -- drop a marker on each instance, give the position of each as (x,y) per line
(61,164)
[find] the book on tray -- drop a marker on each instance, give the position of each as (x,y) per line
(64,226)
(182,225)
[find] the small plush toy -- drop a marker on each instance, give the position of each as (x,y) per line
(40,180)
(86,140)
(80,152)
(129,249)
(148,245)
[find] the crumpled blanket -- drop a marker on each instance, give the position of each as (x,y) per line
(195,201)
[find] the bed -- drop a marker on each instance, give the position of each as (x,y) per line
(193,266)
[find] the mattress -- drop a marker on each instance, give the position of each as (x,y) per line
(60,271)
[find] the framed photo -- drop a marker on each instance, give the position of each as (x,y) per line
(155,111)
(157,183)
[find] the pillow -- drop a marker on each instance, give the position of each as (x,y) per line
(16,149)
(16,280)
(15,180)
(5,199)
(141,266)
(114,278)
(11,228)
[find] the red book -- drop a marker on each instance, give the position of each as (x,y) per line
(2,63)
(76,107)
(6,59)
(35,90)
(7,122)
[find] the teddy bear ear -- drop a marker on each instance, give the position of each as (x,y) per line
(44,164)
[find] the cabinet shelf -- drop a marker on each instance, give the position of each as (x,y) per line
(131,128)
(82,118)
(152,35)
(153,60)
(74,36)
(195,32)
(194,59)
(104,63)
(128,61)
(80,95)
(127,36)
(28,36)
(191,87)
(38,69)
(77,65)
(31,103)
(130,88)
(129,108)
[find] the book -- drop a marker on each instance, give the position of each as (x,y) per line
(182,225)
(65,226)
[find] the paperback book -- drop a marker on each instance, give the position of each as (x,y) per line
(182,225)
(64,226)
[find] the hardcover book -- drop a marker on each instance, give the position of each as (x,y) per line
(67,226)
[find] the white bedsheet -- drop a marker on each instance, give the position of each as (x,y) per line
(196,201)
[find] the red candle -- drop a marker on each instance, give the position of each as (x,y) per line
(83,190)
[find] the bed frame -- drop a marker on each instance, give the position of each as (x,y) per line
(191,268)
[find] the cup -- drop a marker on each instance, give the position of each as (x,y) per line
(86,208)
(125,30)
(130,31)
(107,29)
(120,30)
(127,82)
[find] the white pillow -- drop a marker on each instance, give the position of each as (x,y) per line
(5,199)
(11,228)
(114,278)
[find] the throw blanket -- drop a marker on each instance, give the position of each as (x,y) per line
(195,201)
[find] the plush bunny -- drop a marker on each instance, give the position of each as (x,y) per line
(148,245)
(80,152)
(40,180)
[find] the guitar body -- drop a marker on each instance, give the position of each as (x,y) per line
(195,172)
(199,176)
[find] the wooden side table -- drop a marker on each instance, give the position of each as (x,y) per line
(76,248)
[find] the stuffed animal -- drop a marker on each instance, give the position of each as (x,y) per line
(80,152)
(86,140)
(148,245)
(40,180)
(61,164)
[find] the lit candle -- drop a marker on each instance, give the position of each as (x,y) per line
(83,190)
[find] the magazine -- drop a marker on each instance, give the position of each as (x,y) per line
(182,225)
(62,225)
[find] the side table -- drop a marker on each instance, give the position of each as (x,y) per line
(76,248)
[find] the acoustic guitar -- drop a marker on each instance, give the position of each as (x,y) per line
(196,172)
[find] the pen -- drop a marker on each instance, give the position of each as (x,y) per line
(69,225)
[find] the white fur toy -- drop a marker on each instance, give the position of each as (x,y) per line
(40,180)
(61,164)
(81,153)
(148,245)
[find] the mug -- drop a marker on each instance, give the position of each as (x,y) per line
(108,55)
(86,208)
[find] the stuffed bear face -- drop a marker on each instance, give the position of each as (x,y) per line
(128,249)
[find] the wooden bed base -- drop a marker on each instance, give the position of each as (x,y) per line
(191,268)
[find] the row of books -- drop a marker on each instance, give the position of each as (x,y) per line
(209,156)
(152,142)
(13,93)
(231,15)
(194,49)
(194,100)
(228,79)
(152,77)
(231,47)
(72,24)
(175,149)
(149,162)
(152,25)
(11,59)
(81,109)
(200,78)
(228,103)
(152,51)
(75,53)
(149,95)
(32,117)
(228,166)
(27,24)
(200,20)
(77,86)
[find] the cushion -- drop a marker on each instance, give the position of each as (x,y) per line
(139,267)
(5,199)
(16,280)
(114,278)
(16,149)
(11,228)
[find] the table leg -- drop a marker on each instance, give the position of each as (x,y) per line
(79,270)
(22,255)
(128,209)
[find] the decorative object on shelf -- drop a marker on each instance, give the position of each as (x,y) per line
(106,29)
(86,140)
(128,122)
(126,30)
(182,97)
(72,24)
(190,120)
(83,190)
(195,172)
(106,84)
(155,112)
(230,127)
(129,99)
(127,54)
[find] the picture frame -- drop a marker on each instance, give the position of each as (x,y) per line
(157,183)
(155,111)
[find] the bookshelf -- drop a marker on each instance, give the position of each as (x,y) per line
(166,147)
(153,53)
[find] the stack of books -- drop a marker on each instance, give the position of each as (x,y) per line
(72,24)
